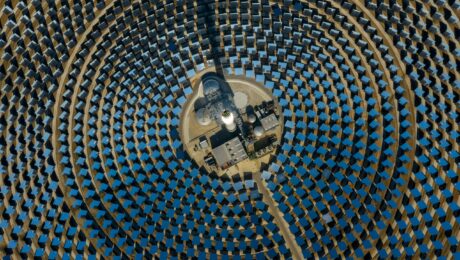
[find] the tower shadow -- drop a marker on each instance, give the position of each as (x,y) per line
(211,33)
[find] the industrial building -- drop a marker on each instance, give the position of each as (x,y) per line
(229,153)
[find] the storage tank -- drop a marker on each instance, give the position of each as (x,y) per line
(252,118)
(258,131)
(203,117)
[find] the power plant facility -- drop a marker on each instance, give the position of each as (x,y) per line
(239,124)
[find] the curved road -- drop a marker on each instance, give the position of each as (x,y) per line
(279,220)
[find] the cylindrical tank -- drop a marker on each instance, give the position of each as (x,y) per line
(229,120)
(252,118)
(258,131)
(202,117)
(210,86)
